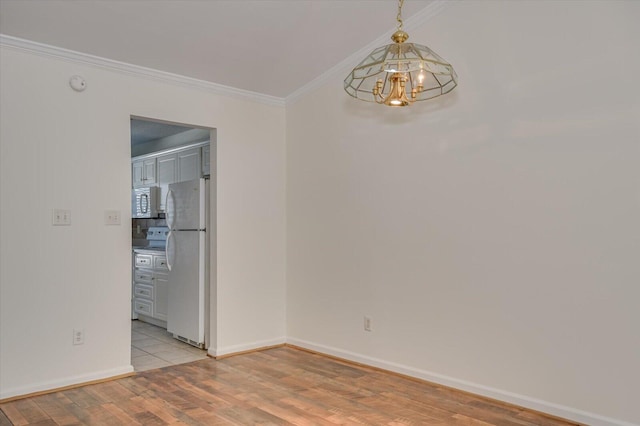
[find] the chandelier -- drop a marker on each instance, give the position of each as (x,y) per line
(401,73)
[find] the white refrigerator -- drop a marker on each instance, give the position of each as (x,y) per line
(186,214)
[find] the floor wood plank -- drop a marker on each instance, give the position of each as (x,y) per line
(280,386)
(4,420)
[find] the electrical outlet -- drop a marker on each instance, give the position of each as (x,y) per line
(78,336)
(112,217)
(367,323)
(61,217)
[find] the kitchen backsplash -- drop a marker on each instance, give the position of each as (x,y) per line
(139,228)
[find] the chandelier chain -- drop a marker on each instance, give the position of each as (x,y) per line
(399,17)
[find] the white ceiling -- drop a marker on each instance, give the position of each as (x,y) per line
(265,46)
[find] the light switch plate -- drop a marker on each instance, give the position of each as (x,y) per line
(61,217)
(112,217)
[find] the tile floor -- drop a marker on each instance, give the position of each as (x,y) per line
(152,347)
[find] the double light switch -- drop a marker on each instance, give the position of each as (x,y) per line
(61,217)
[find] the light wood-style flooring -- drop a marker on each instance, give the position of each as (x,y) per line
(273,387)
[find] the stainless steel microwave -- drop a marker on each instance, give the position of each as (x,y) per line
(144,202)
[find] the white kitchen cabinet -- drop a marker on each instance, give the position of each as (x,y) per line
(206,160)
(161,296)
(143,276)
(160,263)
(144,260)
(189,166)
(171,166)
(150,171)
(143,172)
(167,173)
(151,287)
(143,291)
(137,173)
(143,306)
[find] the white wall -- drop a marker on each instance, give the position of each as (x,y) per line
(492,235)
(62,149)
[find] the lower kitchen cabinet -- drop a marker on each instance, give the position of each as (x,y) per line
(151,288)
(161,302)
(143,291)
(144,307)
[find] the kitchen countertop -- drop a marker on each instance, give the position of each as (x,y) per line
(144,249)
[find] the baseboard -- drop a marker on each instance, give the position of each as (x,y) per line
(66,383)
(489,392)
(247,347)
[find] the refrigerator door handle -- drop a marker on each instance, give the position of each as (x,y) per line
(170,203)
(170,250)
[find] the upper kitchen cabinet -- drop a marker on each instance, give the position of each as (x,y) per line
(189,166)
(143,172)
(167,173)
(170,166)
(177,167)
(206,160)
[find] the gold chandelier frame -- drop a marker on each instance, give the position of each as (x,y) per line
(400,74)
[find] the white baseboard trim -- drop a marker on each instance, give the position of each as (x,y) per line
(498,394)
(226,350)
(52,385)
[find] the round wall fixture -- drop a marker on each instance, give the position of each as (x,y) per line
(77,83)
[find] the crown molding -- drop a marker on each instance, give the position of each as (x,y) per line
(138,71)
(415,21)
(429,12)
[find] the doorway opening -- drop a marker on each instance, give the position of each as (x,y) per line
(173,218)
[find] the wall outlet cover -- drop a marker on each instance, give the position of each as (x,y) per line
(78,336)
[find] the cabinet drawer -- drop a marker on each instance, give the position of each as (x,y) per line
(142,277)
(144,291)
(144,260)
(160,262)
(144,307)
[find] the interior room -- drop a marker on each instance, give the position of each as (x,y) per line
(162,155)
(469,258)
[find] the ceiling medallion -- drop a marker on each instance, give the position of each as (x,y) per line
(400,74)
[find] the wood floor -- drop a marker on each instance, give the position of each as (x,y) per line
(273,387)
